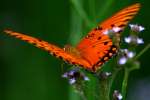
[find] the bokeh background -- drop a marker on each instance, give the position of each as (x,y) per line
(28,73)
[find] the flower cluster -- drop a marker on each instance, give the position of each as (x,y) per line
(133,40)
(126,54)
(74,76)
(136,28)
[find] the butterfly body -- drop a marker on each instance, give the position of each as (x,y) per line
(94,49)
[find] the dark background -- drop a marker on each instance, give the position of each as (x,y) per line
(28,73)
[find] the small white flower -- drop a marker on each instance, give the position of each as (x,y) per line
(86,78)
(72,80)
(127,39)
(131,25)
(108,73)
(106,32)
(122,60)
(130,54)
(141,28)
(124,50)
(116,29)
(117,95)
(65,75)
(140,41)
(71,73)
(137,28)
(75,75)
(112,31)
(120,97)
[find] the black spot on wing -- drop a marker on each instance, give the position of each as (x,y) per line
(112,25)
(105,43)
(99,38)
(60,57)
(122,25)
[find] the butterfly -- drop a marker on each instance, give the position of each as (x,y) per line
(94,49)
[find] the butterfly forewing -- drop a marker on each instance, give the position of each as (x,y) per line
(121,18)
(52,49)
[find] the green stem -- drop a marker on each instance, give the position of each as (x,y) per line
(114,74)
(125,82)
(92,9)
(143,51)
(104,88)
(78,7)
(105,7)
(75,35)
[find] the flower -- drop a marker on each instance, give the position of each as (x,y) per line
(107,32)
(72,80)
(126,54)
(75,75)
(108,73)
(133,40)
(127,39)
(122,60)
(86,78)
(112,31)
(116,29)
(105,75)
(117,95)
(130,54)
(136,28)
(140,41)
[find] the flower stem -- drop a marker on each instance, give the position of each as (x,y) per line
(114,74)
(92,10)
(143,51)
(104,88)
(79,9)
(125,82)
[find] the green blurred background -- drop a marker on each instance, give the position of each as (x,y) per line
(28,73)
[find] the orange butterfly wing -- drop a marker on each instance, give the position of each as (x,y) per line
(52,49)
(97,47)
(94,49)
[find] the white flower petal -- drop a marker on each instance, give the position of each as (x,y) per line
(122,60)
(65,75)
(116,29)
(106,32)
(124,50)
(127,39)
(140,41)
(108,73)
(141,28)
(119,97)
(72,80)
(131,25)
(86,78)
(130,54)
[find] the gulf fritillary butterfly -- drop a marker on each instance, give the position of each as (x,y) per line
(94,49)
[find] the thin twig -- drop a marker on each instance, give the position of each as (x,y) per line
(142,52)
